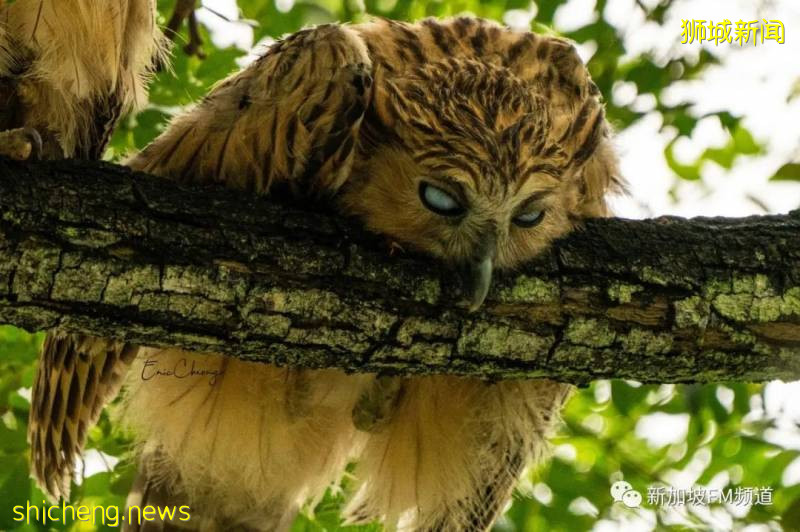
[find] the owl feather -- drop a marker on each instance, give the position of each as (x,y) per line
(68,70)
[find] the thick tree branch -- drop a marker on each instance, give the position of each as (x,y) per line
(95,248)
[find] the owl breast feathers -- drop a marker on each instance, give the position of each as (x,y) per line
(461,139)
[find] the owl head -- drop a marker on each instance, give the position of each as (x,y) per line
(470,162)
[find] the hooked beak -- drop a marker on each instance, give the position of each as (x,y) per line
(480,281)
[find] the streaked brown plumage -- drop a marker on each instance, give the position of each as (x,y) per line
(76,377)
(448,137)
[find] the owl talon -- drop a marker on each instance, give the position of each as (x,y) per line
(36,143)
(377,404)
(21,144)
(394,248)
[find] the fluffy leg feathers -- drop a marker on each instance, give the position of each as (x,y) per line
(449,456)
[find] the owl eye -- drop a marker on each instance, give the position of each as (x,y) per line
(529,219)
(439,201)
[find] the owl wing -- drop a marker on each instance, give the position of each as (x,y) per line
(77,376)
(292,116)
(73,93)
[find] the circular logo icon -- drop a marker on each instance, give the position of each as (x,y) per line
(632,499)
(623,492)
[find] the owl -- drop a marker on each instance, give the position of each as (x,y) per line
(59,96)
(465,141)
(68,70)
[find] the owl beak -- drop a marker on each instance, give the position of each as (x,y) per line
(481,266)
(481,280)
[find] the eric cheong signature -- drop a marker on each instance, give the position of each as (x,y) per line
(181,370)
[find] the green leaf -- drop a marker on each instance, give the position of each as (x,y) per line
(744,143)
(689,172)
(787,172)
(790,519)
(17,345)
(626,397)
(14,489)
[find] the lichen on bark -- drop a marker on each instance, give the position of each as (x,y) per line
(95,248)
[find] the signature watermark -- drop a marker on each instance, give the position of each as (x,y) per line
(110,515)
(180,370)
(739,496)
(725,31)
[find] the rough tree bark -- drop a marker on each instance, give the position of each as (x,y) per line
(95,248)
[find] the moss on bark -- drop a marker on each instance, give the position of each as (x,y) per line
(95,248)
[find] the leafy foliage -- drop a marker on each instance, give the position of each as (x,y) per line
(723,435)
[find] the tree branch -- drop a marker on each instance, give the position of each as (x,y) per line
(98,249)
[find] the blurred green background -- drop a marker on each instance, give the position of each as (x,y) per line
(716,436)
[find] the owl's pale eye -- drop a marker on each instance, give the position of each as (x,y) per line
(529,219)
(439,201)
